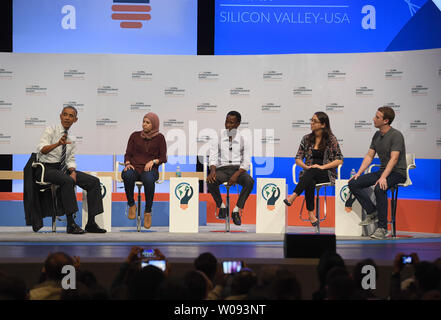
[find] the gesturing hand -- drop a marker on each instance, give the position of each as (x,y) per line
(63,140)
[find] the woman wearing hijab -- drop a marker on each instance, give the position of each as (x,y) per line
(322,155)
(146,151)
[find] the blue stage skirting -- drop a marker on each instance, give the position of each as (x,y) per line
(12,214)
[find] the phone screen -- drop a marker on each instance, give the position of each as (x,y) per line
(406,259)
(231,266)
(161,264)
(148,253)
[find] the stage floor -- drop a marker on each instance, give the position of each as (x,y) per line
(21,244)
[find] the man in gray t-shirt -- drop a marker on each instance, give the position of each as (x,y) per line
(388,143)
(384,144)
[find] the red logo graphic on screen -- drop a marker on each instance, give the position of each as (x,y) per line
(131,12)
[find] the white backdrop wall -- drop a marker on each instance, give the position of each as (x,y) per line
(193,93)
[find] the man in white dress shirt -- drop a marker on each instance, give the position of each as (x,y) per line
(230,159)
(57,152)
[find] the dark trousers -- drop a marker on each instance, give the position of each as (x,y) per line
(67,186)
(148,179)
(357,188)
(307,183)
(223,174)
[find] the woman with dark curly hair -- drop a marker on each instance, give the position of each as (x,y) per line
(322,155)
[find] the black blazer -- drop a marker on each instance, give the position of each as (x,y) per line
(37,204)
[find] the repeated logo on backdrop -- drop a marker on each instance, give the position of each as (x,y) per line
(112,92)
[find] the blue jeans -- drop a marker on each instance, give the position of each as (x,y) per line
(367,180)
(148,179)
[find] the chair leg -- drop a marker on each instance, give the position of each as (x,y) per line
(393,213)
(227,218)
(138,218)
(54,205)
(317,210)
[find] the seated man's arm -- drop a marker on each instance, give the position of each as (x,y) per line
(366,162)
(394,155)
(213,159)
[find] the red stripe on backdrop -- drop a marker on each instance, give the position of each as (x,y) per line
(130,16)
(131,8)
(412,215)
(131,25)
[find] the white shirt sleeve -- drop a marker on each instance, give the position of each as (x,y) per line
(245,154)
(214,152)
(51,135)
(45,138)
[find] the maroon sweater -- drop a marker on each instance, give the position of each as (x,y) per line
(140,151)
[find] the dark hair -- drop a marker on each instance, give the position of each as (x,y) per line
(428,276)
(196,285)
(144,283)
(327,261)
(327,132)
(55,263)
(70,107)
(242,282)
(388,113)
(207,263)
(235,114)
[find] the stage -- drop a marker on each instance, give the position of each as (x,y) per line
(23,251)
(241,242)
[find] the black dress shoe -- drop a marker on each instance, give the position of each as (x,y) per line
(287,203)
(74,229)
(222,213)
(94,228)
(236,218)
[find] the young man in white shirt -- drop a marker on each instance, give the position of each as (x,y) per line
(57,153)
(230,159)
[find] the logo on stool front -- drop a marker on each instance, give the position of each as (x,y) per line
(184,192)
(270,192)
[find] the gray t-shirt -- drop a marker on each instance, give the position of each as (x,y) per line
(393,140)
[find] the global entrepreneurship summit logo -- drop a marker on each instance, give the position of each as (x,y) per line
(347,197)
(131,13)
(270,192)
(184,192)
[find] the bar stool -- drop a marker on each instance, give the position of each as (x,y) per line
(410,163)
(138,184)
(45,186)
(227,204)
(317,199)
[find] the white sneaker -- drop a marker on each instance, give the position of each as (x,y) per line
(380,234)
(370,218)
